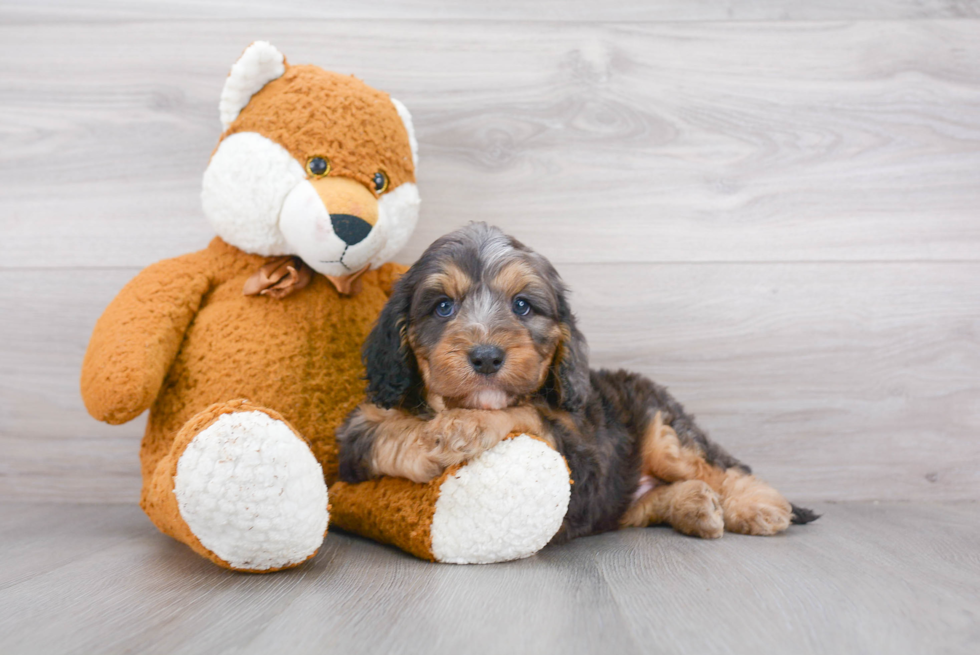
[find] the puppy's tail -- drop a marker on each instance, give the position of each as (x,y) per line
(802,515)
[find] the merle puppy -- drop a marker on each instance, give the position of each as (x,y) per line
(477,341)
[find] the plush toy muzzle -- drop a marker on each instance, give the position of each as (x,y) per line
(330,222)
(338,227)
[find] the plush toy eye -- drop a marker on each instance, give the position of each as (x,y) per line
(445,308)
(521,306)
(380,182)
(317,166)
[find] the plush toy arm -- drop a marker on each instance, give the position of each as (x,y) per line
(506,504)
(137,337)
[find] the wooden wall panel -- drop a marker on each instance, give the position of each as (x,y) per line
(835,381)
(771,207)
(614,142)
(509,10)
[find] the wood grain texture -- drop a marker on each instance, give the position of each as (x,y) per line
(737,141)
(897,578)
(509,10)
(769,206)
(834,381)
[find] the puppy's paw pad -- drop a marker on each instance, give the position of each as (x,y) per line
(697,511)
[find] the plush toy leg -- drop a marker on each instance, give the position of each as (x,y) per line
(241,487)
(505,504)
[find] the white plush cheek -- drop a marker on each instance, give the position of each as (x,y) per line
(243,190)
(398,213)
(305,225)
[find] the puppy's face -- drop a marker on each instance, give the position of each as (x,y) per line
(483,325)
(480,321)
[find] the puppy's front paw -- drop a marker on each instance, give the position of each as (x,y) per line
(753,507)
(428,467)
(696,510)
(458,435)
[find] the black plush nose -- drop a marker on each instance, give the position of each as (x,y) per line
(487,359)
(352,229)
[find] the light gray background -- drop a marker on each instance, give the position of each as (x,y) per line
(771,206)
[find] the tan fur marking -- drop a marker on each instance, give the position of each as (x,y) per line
(525,369)
(690,507)
(451,281)
(665,458)
(446,370)
(515,277)
(423,364)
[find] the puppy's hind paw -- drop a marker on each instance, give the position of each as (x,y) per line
(696,510)
(753,507)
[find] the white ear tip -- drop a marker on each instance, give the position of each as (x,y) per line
(406,117)
(259,64)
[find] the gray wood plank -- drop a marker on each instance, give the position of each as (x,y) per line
(835,381)
(867,580)
(898,578)
(64,533)
(729,141)
(550,10)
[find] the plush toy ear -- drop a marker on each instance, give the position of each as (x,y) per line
(410,128)
(393,378)
(568,383)
(259,64)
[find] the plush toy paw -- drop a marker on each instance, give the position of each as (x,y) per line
(506,504)
(249,493)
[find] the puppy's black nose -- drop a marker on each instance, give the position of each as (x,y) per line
(486,359)
(352,229)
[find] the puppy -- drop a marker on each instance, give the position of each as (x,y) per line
(477,342)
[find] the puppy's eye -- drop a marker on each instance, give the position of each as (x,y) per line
(521,306)
(380,182)
(445,308)
(317,166)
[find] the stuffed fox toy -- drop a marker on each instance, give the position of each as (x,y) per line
(247,353)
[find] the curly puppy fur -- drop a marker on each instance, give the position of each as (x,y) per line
(478,341)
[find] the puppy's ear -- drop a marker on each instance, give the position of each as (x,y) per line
(569,380)
(391,369)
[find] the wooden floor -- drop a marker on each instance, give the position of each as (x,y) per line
(890,578)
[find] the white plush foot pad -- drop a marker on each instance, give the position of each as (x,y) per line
(504,505)
(252,492)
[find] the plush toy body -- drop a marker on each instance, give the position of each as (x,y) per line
(247,353)
(298,355)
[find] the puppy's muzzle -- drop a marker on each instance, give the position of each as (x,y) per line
(486,359)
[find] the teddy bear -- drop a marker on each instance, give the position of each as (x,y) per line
(247,353)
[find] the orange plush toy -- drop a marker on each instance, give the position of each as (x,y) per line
(247,353)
